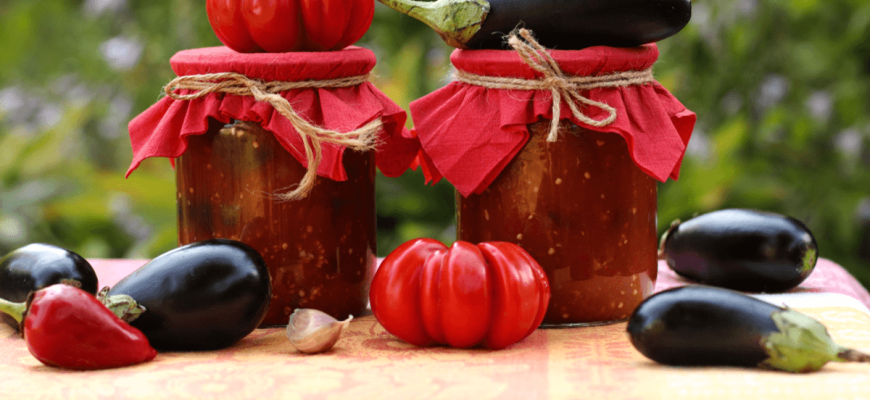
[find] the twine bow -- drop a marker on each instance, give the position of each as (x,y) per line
(539,59)
(313,137)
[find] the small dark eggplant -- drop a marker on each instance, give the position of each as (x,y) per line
(203,296)
(702,325)
(37,266)
(559,24)
(746,250)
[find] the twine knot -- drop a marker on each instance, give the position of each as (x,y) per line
(554,80)
(313,137)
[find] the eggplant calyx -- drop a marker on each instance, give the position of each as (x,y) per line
(802,344)
(808,261)
(123,306)
(455,20)
(674,225)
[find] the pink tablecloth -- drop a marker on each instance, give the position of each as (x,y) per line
(369,363)
(828,277)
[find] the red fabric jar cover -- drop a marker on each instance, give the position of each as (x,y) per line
(162,129)
(470,133)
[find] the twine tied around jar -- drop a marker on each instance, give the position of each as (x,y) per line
(539,59)
(313,136)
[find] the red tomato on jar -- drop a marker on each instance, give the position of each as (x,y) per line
(492,294)
(278,26)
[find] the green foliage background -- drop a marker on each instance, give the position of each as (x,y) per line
(781,89)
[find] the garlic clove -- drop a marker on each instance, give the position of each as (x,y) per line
(312,331)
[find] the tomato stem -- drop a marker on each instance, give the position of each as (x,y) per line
(455,20)
(14,310)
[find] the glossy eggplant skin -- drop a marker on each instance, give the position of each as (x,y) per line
(203,296)
(701,325)
(37,266)
(577,24)
(746,250)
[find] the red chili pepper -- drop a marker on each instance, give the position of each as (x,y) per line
(67,327)
(494,293)
(277,26)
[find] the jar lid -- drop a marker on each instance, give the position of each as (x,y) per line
(592,61)
(162,130)
(471,129)
(289,67)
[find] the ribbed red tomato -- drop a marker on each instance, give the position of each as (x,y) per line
(492,294)
(278,26)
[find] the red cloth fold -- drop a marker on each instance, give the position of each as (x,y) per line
(470,133)
(162,129)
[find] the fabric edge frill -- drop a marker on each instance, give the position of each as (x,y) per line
(163,129)
(493,125)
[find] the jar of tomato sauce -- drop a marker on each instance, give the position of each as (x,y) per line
(241,161)
(579,196)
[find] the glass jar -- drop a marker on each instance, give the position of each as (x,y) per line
(320,250)
(583,209)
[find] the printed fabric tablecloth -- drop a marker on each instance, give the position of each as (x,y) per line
(580,363)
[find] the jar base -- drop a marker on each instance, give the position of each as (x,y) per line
(566,325)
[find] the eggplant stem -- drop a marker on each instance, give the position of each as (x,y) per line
(14,310)
(853,356)
(455,20)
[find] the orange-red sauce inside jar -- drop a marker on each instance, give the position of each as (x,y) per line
(320,250)
(583,209)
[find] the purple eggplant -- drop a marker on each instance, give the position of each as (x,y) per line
(558,24)
(704,325)
(37,266)
(746,250)
(203,296)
